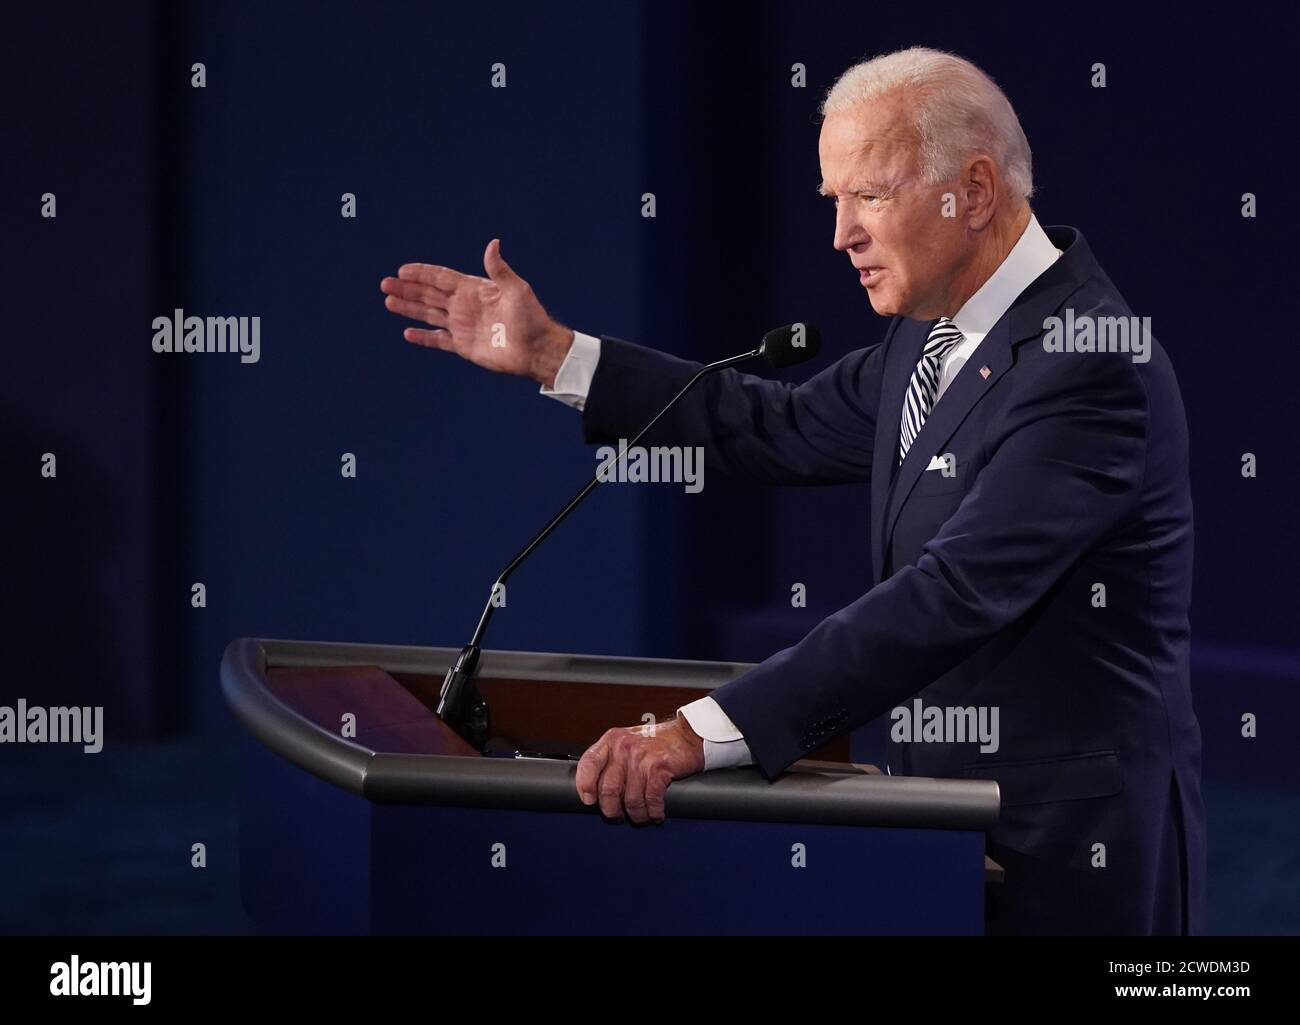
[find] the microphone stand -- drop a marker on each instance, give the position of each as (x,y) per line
(460,705)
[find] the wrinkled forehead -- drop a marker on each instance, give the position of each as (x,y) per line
(876,140)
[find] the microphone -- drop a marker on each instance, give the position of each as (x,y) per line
(787,346)
(460,704)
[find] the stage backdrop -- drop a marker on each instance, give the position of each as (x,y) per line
(228,200)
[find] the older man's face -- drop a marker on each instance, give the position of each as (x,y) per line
(890,223)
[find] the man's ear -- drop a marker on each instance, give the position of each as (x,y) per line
(981,187)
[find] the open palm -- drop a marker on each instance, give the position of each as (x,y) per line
(495,322)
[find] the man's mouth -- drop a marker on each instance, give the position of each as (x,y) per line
(870,275)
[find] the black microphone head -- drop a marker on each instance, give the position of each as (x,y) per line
(787,346)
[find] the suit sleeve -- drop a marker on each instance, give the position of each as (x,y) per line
(1065,471)
(820,432)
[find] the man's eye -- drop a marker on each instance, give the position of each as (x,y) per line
(870,198)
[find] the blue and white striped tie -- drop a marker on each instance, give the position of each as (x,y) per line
(924,385)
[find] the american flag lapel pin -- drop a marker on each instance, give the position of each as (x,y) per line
(984,372)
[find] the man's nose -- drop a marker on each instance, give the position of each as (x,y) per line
(849,231)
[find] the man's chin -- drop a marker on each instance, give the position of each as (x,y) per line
(885,305)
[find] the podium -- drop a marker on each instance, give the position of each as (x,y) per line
(361,812)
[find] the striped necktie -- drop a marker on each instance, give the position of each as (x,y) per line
(924,386)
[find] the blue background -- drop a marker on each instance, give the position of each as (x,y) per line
(225,201)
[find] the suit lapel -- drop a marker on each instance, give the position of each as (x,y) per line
(997,352)
(909,340)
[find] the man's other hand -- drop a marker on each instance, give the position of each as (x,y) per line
(629,768)
(495,322)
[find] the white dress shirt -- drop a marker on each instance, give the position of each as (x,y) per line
(724,746)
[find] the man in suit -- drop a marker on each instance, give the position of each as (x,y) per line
(1031,524)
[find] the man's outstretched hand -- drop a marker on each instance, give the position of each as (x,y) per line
(629,768)
(495,322)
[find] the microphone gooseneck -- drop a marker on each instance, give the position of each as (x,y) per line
(460,703)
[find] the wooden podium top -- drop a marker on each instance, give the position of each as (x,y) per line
(366,704)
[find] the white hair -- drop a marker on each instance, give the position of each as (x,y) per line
(957,111)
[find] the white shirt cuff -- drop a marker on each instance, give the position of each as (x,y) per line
(573,379)
(724,746)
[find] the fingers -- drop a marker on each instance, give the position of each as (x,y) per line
(430,339)
(442,278)
(411,298)
(416,292)
(610,788)
(601,772)
(590,766)
(417,310)
(634,786)
(656,794)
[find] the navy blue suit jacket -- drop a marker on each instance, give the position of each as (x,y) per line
(1071,470)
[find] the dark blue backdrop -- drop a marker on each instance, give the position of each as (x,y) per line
(225,201)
